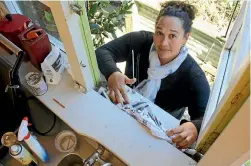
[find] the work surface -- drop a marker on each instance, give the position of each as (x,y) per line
(93,116)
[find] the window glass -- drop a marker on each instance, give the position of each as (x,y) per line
(41,15)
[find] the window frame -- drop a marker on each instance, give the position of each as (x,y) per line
(225,63)
(226,75)
(83,54)
(224,69)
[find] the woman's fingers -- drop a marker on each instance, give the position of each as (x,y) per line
(185,143)
(184,135)
(130,81)
(116,84)
(182,140)
(124,95)
(174,131)
(112,96)
(179,138)
(118,96)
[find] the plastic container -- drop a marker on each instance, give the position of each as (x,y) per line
(53,66)
(66,141)
(35,146)
(37,48)
(12,25)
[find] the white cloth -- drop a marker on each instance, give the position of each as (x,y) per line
(150,86)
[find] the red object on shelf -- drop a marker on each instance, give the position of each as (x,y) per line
(37,48)
(12,25)
(33,34)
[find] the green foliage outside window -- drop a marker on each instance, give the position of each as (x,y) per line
(105,17)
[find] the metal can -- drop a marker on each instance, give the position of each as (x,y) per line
(9,139)
(18,152)
(36,83)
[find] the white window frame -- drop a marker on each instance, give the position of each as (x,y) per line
(72,41)
(235,53)
(224,69)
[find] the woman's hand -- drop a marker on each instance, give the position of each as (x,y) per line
(116,85)
(184,135)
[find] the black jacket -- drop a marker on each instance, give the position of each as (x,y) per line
(186,87)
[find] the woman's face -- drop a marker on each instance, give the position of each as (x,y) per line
(169,37)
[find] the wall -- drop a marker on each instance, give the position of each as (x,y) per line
(3,10)
(233,141)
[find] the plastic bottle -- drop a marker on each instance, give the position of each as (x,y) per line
(35,146)
(17,151)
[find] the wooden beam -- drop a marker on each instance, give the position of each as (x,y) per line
(86,36)
(232,146)
(231,102)
(68,27)
(3,10)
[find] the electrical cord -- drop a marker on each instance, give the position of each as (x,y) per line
(2,164)
(44,133)
(33,126)
(18,96)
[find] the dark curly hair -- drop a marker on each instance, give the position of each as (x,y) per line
(180,9)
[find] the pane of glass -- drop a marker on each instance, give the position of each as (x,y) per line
(41,15)
(107,19)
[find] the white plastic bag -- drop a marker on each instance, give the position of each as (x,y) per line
(53,66)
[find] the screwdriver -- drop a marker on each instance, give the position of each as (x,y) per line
(133,66)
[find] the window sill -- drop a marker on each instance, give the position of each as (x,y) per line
(93,116)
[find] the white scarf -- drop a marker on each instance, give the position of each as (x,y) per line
(149,87)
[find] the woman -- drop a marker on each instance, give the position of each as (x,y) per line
(165,72)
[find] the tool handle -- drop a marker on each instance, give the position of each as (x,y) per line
(7,43)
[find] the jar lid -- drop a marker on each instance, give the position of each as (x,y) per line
(9,139)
